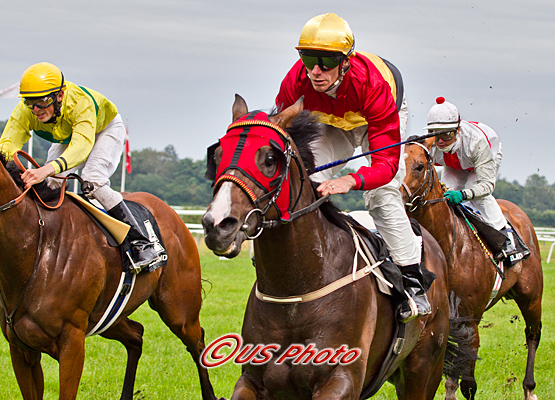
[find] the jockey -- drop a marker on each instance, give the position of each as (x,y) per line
(86,132)
(356,106)
(471,154)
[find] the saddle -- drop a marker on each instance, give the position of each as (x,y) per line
(116,231)
(493,238)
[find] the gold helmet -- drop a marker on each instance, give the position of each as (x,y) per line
(327,32)
(41,80)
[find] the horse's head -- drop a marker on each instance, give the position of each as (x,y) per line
(421,176)
(253,167)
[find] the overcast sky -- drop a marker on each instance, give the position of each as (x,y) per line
(173,67)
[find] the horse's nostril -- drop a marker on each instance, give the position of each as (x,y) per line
(229,224)
(207,221)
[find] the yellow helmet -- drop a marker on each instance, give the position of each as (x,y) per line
(327,32)
(40,80)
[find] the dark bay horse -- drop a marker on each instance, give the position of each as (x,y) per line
(471,273)
(57,275)
(291,303)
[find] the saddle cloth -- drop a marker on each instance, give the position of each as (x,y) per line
(116,231)
(493,238)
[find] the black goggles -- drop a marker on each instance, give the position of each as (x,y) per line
(325,62)
(444,136)
(40,102)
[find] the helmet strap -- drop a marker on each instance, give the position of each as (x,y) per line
(343,68)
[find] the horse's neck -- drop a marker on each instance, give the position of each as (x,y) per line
(437,217)
(299,256)
(19,227)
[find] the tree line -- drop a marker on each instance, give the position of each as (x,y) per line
(181,182)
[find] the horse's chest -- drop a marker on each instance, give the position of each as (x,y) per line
(293,381)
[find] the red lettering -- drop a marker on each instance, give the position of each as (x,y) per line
(212,351)
(323,356)
(291,352)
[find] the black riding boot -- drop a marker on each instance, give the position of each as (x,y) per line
(142,250)
(417,304)
(508,248)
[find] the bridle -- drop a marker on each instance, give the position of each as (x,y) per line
(271,196)
(418,198)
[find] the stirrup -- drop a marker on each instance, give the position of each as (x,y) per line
(135,269)
(413,310)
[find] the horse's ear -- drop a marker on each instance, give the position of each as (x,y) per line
(239,107)
(429,143)
(285,117)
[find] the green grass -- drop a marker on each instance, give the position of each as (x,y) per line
(167,372)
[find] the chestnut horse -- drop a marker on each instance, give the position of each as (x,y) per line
(471,272)
(58,275)
(291,303)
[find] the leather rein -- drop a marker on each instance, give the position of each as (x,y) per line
(19,198)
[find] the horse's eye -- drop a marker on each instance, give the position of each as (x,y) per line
(270,160)
(419,167)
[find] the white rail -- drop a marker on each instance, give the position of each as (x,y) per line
(543,234)
(546,235)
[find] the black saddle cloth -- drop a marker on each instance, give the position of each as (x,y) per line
(149,228)
(493,238)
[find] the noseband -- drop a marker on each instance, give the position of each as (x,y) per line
(418,198)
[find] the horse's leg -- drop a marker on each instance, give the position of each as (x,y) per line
(130,334)
(179,309)
(244,390)
(428,355)
(451,386)
(339,386)
(528,296)
(71,358)
(28,372)
(468,380)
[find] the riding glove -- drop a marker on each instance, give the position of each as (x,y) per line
(453,197)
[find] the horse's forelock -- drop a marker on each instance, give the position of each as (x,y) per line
(304,130)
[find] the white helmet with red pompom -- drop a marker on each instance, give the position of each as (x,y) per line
(443,115)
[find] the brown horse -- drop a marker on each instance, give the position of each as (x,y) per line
(58,274)
(291,303)
(471,272)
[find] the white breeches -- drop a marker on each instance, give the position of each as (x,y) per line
(101,163)
(457,179)
(384,204)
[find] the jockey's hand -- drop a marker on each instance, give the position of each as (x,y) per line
(337,186)
(33,176)
(453,197)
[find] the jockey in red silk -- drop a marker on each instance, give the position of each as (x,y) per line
(471,154)
(359,100)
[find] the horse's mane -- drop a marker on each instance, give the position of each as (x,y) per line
(45,192)
(304,130)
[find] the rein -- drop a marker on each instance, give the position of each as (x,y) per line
(18,199)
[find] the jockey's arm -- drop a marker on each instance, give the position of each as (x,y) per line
(485,170)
